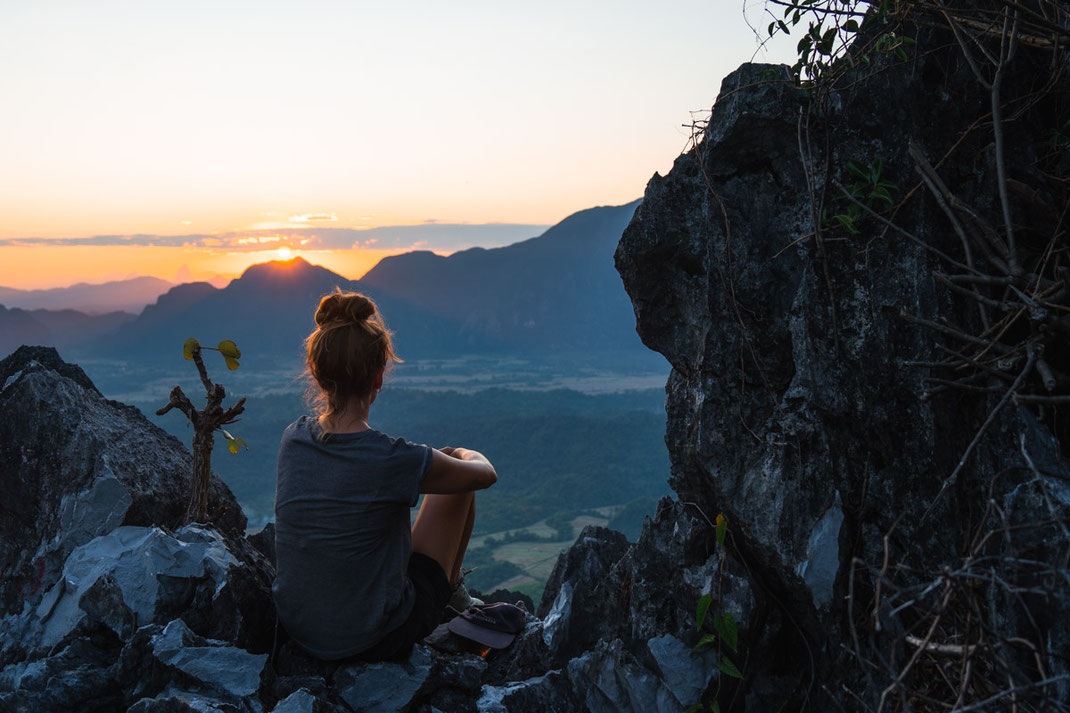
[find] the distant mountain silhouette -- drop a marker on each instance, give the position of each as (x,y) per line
(558,292)
(62,329)
(554,295)
(267,311)
(118,296)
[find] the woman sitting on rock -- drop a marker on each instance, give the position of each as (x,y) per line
(352,579)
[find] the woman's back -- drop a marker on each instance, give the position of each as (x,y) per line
(342,535)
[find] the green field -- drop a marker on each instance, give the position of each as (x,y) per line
(533,560)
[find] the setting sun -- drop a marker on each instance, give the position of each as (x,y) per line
(284,253)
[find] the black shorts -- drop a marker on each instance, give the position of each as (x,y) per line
(433,593)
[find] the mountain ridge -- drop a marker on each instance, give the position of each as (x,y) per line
(557,290)
(553,295)
(129,295)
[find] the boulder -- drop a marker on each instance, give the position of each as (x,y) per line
(81,677)
(139,575)
(610,680)
(303,701)
(384,687)
(568,608)
(163,661)
(74,465)
(552,691)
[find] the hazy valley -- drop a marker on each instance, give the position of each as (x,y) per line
(527,353)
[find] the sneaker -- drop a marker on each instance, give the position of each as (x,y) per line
(461,599)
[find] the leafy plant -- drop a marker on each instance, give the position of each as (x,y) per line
(868,189)
(725,633)
(828,45)
(206,421)
(1059,137)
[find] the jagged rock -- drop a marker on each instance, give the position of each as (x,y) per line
(685,674)
(81,677)
(303,701)
(182,702)
(73,465)
(551,692)
(384,687)
(610,680)
(442,639)
(655,588)
(160,660)
(144,575)
(103,602)
(263,540)
(789,406)
(649,589)
(526,657)
(506,596)
(285,686)
(567,608)
(220,668)
(463,672)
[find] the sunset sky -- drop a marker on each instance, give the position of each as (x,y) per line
(184,139)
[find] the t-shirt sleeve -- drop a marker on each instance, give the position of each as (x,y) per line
(413,461)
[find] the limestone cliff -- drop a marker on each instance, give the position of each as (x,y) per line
(792,408)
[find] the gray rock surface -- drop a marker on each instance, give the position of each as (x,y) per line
(303,701)
(790,411)
(146,566)
(610,680)
(551,692)
(644,590)
(567,608)
(384,687)
(224,670)
(73,465)
(790,408)
(182,702)
(685,674)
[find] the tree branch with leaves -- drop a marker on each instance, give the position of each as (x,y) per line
(206,421)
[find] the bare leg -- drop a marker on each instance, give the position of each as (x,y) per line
(459,559)
(442,529)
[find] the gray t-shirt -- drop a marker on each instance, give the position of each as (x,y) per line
(342,535)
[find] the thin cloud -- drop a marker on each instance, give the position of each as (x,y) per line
(445,237)
(176,241)
(314,218)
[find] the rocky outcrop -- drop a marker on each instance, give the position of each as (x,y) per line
(74,465)
(157,617)
(791,408)
(820,556)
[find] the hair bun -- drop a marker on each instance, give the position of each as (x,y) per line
(348,307)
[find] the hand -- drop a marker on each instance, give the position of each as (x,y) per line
(462,453)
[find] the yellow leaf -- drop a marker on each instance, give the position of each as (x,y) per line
(229,349)
(188,347)
(232,363)
(232,445)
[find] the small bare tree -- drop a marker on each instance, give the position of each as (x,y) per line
(206,422)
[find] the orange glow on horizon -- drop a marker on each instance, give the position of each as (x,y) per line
(42,267)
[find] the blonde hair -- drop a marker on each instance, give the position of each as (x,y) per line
(346,353)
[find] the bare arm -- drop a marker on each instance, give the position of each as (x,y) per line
(458,470)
